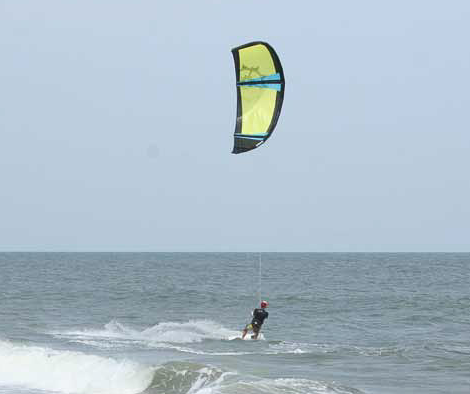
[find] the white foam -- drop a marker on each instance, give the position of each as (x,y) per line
(169,332)
(295,348)
(70,372)
(200,352)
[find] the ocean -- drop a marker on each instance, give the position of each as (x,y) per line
(154,323)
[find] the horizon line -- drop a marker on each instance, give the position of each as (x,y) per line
(254,252)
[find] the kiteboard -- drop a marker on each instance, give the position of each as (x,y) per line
(247,338)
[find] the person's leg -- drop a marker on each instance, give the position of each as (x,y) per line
(245,330)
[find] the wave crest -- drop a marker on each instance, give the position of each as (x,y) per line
(70,372)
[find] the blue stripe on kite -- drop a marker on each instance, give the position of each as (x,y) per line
(271,77)
(275,86)
(249,138)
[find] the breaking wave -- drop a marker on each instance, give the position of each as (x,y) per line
(187,378)
(79,373)
(70,372)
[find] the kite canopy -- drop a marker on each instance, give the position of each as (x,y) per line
(260,91)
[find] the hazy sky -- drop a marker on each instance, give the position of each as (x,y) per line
(116,123)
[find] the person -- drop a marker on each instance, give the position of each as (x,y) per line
(259,315)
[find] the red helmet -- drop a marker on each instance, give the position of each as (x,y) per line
(264,304)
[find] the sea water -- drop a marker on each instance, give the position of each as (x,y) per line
(154,323)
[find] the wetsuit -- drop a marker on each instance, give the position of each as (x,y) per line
(259,315)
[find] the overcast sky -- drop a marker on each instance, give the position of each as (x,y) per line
(116,124)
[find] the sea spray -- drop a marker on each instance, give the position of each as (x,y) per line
(169,332)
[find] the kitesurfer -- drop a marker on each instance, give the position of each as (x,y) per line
(259,314)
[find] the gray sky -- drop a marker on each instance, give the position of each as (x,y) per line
(116,123)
